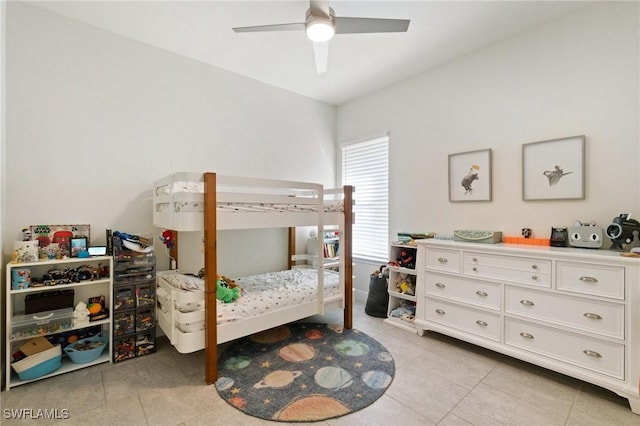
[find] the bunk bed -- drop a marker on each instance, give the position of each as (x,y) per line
(208,202)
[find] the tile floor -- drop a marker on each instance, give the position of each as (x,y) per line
(438,381)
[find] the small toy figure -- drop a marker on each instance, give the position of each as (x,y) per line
(26,234)
(80,314)
(167,238)
(405,285)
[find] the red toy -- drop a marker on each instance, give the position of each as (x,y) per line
(406,259)
(167,238)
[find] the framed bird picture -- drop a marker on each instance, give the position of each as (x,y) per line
(470,176)
(553,169)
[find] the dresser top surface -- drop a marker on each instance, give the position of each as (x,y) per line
(531,250)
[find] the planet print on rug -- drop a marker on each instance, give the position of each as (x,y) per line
(304,372)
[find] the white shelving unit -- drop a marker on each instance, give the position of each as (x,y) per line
(402,288)
(83,290)
(331,248)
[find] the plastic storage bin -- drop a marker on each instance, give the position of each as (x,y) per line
(41,323)
(146,294)
(124,348)
(145,319)
(145,344)
(124,297)
(39,365)
(78,355)
(124,323)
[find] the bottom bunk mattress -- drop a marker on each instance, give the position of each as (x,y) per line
(181,300)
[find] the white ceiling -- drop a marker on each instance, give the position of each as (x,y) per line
(358,63)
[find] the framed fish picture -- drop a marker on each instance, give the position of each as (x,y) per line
(470,176)
(553,169)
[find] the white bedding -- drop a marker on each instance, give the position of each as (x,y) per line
(263,293)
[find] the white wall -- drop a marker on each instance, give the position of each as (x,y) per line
(94,118)
(574,76)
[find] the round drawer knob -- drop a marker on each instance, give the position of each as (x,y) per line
(534,266)
(474,269)
(475,259)
(534,277)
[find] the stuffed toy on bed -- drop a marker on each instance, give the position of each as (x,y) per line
(224,291)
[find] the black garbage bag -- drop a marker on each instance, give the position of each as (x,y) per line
(378,298)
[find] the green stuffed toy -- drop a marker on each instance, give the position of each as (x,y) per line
(226,293)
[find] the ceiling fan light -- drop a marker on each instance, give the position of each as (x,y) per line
(320,30)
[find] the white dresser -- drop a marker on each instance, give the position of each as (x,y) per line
(575,311)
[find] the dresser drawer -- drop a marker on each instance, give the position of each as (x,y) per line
(597,280)
(524,270)
(485,324)
(484,294)
(528,264)
(443,260)
(588,315)
(585,352)
(505,274)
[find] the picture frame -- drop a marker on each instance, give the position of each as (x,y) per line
(554,169)
(78,244)
(470,176)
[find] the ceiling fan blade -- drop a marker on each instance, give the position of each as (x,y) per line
(321,53)
(370,25)
(298,26)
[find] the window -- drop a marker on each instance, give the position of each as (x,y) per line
(365,165)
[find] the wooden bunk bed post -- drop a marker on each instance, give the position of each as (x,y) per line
(347,252)
(173,252)
(211,277)
(292,248)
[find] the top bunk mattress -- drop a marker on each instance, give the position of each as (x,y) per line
(178,201)
(264,293)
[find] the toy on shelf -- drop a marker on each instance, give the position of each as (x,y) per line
(405,284)
(80,314)
(405,311)
(527,241)
(406,259)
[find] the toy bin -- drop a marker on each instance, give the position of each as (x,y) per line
(145,294)
(87,350)
(41,323)
(124,297)
(39,364)
(145,344)
(124,348)
(145,319)
(124,323)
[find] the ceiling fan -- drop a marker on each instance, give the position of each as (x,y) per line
(321,24)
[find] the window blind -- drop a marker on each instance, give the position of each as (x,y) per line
(365,165)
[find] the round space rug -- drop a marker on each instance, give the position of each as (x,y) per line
(304,372)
